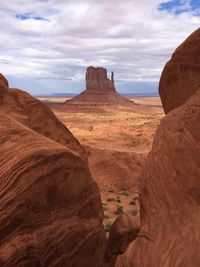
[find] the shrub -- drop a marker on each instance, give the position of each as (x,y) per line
(118,199)
(134,212)
(119,210)
(110,190)
(107,226)
(136,198)
(126,193)
(111,199)
(133,202)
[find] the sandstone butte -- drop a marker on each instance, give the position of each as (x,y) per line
(170,181)
(50,208)
(100,92)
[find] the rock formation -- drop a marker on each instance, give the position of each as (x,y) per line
(170,182)
(96,79)
(124,230)
(37,116)
(100,92)
(181,76)
(3,81)
(50,208)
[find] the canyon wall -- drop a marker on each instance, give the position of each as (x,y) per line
(170,181)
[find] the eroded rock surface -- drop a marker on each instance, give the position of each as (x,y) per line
(170,182)
(180,78)
(3,81)
(124,230)
(50,207)
(37,116)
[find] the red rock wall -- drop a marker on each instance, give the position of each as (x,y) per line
(180,78)
(50,208)
(37,116)
(96,79)
(170,182)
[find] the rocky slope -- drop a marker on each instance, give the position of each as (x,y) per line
(51,212)
(170,182)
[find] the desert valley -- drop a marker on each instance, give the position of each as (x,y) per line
(100,179)
(117,139)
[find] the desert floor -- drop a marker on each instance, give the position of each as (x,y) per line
(117,143)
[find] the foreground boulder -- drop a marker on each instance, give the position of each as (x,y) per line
(180,78)
(51,212)
(124,230)
(170,186)
(34,114)
(3,81)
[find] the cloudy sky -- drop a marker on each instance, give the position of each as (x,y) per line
(46,45)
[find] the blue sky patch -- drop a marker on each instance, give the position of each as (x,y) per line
(181,6)
(26,16)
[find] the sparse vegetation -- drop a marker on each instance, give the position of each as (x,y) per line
(118,199)
(119,210)
(110,199)
(136,198)
(110,190)
(125,193)
(134,212)
(107,226)
(106,216)
(104,205)
(133,202)
(111,167)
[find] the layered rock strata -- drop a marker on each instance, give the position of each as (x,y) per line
(100,92)
(180,78)
(50,207)
(170,182)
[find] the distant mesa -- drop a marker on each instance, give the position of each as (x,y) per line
(97,80)
(100,91)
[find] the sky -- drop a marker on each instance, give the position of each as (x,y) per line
(46,45)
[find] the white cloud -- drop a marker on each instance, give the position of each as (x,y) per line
(132,37)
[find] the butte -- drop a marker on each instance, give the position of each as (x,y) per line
(100,93)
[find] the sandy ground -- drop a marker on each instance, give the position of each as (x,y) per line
(53,99)
(117,144)
(155,101)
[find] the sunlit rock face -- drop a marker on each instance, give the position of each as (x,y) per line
(170,181)
(34,114)
(123,231)
(100,92)
(50,207)
(3,81)
(96,79)
(180,78)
